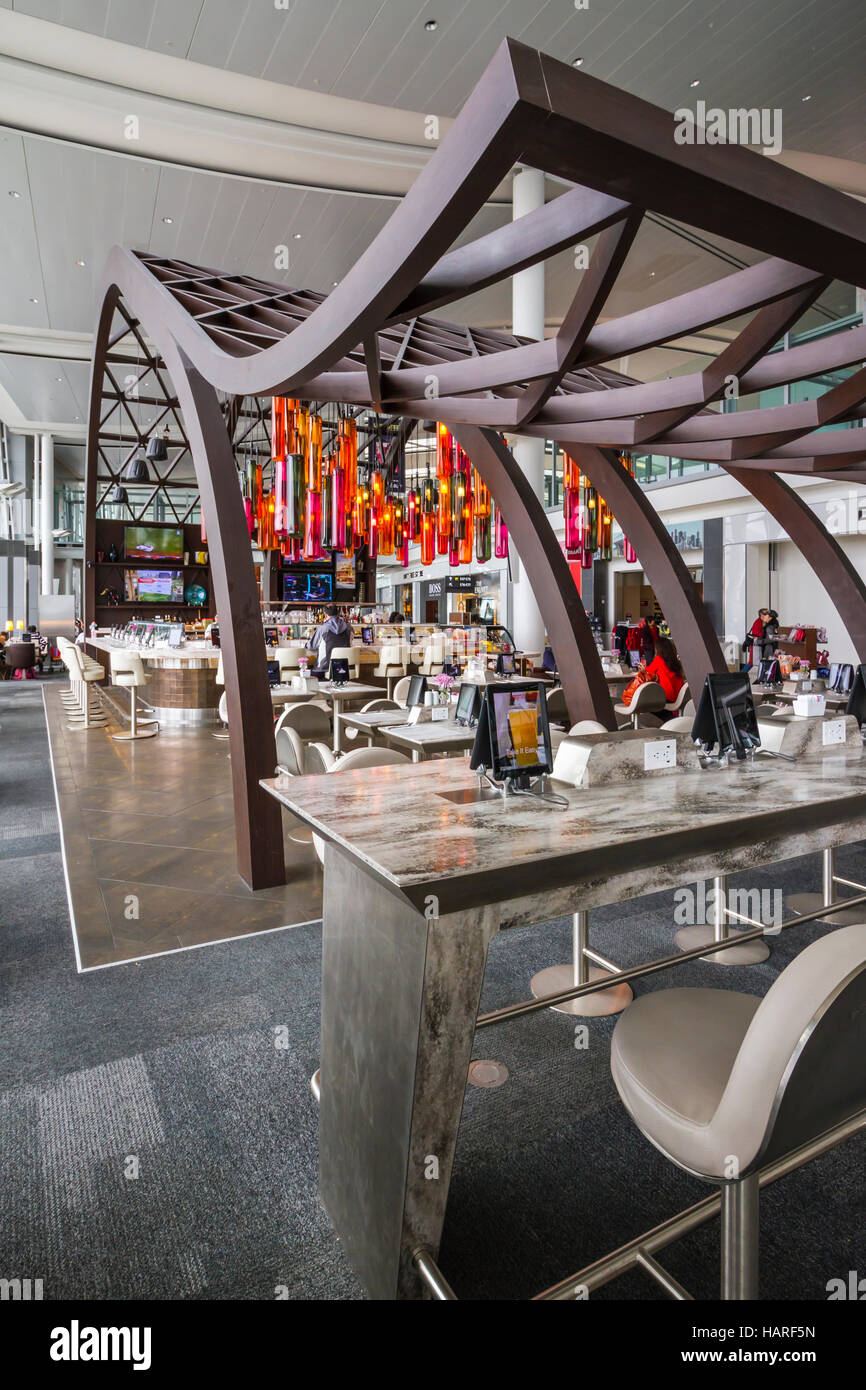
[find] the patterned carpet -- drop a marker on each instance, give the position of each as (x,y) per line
(158,1143)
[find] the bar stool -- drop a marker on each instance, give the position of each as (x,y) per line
(724,1083)
(351,655)
(84,672)
(649,698)
(127,670)
(400,691)
(391,666)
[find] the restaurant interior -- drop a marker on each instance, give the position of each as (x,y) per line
(433,824)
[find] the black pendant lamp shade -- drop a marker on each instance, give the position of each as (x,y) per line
(157,447)
(136,471)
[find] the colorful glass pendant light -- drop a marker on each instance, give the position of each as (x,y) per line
(500,536)
(572,509)
(629,551)
(483,539)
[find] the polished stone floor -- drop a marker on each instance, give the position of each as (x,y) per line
(149,846)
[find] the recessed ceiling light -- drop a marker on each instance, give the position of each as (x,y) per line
(297,236)
(13,193)
(335,283)
(431,25)
(808,97)
(577,62)
(58,378)
(34,301)
(696,83)
(168,221)
(80,262)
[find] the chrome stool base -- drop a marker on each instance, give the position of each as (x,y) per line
(836,916)
(750,953)
(557,978)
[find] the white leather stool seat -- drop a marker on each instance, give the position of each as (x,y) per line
(710,1073)
(680,1080)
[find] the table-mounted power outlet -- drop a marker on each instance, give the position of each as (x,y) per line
(659,753)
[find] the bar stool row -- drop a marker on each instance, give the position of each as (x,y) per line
(83,701)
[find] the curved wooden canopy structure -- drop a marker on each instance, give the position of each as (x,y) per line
(372,342)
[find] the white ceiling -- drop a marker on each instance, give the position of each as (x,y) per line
(76,202)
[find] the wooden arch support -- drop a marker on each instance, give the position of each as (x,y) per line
(817,546)
(697,643)
(258,819)
(583,682)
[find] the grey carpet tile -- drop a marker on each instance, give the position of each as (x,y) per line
(174,1062)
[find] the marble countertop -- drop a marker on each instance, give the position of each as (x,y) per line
(373,718)
(190,651)
(397,822)
(436,731)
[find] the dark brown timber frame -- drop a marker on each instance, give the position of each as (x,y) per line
(371,343)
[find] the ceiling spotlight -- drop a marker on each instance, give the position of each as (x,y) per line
(34,301)
(696,83)
(431,25)
(80,262)
(577,62)
(297,236)
(168,221)
(58,378)
(334,284)
(808,97)
(13,193)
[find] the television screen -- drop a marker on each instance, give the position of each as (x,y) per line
(153,543)
(308,586)
(345,571)
(154,586)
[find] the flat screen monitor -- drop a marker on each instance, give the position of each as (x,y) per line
(154,586)
(367,636)
(634,660)
(468,703)
(153,543)
(857,699)
(273,673)
(272,636)
(339,670)
(308,586)
(518,730)
(726,715)
(505,664)
(416,692)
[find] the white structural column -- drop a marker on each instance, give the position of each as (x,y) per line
(47,514)
(527,291)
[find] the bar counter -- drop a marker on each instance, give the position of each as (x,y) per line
(181,686)
(416,885)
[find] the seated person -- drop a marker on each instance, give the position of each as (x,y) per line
(333,632)
(666,668)
(40,643)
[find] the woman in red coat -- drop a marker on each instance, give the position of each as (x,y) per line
(666,669)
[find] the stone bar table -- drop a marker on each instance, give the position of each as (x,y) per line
(181,686)
(418,879)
